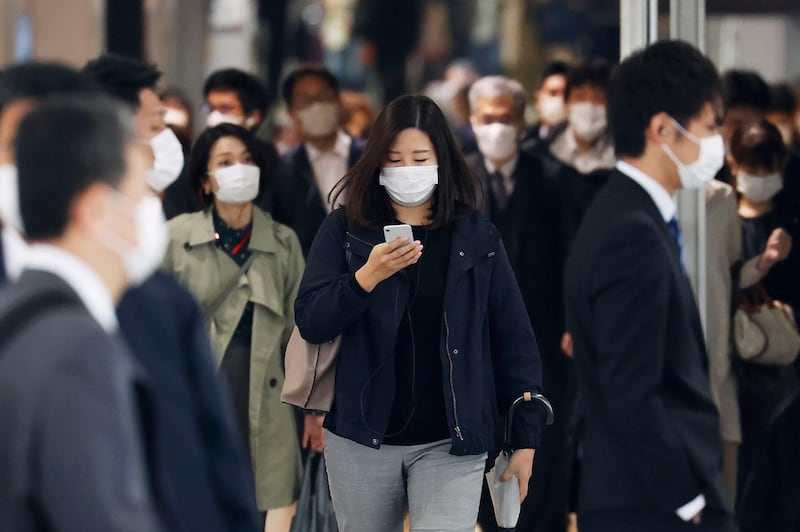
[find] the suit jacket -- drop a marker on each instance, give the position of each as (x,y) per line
(531,228)
(75,451)
(205,475)
(296,200)
(651,429)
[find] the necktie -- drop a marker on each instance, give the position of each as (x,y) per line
(499,191)
(675,230)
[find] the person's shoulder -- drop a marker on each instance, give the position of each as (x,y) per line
(182,224)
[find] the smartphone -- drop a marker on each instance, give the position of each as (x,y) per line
(393,232)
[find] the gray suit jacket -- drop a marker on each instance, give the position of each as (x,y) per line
(73,439)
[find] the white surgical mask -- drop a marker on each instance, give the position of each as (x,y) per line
(216,118)
(238,183)
(319,119)
(552,109)
(9,198)
(176,117)
(588,120)
(759,189)
(141,260)
(410,186)
(708,163)
(168,163)
(496,141)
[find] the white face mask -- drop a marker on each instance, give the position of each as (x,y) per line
(238,183)
(552,109)
(708,163)
(319,119)
(176,117)
(9,198)
(216,118)
(588,120)
(168,163)
(152,235)
(410,186)
(496,141)
(759,189)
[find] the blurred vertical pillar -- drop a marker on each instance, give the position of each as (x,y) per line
(176,39)
(688,23)
(638,25)
(125,28)
(520,50)
(8,23)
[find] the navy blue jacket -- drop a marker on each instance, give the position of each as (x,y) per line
(487,348)
(205,480)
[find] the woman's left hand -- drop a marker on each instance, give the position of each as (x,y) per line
(521,465)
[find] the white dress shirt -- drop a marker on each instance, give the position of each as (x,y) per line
(90,288)
(507,171)
(15,252)
(666,206)
(329,166)
(601,156)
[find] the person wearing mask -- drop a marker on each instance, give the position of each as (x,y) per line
(769,468)
(206,476)
(178,116)
(651,438)
(526,208)
(551,108)
(435,339)
(134,82)
(74,405)
(308,173)
(244,269)
(586,144)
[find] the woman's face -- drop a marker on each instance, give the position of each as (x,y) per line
(226,152)
(411,147)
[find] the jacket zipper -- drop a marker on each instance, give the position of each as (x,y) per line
(457,428)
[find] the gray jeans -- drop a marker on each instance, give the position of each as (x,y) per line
(372,489)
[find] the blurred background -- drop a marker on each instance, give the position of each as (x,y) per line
(379,47)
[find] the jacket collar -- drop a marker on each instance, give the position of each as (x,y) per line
(263,238)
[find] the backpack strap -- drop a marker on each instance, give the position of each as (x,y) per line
(18,317)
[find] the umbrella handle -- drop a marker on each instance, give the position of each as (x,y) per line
(526,397)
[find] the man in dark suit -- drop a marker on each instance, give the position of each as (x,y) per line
(550,109)
(74,408)
(652,451)
(308,173)
(203,474)
(524,204)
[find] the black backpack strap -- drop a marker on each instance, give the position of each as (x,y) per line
(19,316)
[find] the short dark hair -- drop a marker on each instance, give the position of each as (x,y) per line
(594,71)
(303,72)
(201,152)
(122,77)
(554,68)
(252,93)
(84,141)
(672,77)
(368,204)
(40,80)
(745,88)
(759,146)
(782,99)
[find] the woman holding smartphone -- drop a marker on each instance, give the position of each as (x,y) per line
(436,341)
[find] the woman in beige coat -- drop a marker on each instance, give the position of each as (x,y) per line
(244,269)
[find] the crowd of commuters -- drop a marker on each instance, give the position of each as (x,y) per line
(152,273)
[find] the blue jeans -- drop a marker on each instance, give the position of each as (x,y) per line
(372,489)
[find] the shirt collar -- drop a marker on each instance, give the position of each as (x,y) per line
(662,199)
(341,148)
(90,288)
(507,169)
(15,253)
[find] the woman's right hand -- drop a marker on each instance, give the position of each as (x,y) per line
(387,259)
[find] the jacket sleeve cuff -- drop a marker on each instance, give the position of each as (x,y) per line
(357,287)
(527,430)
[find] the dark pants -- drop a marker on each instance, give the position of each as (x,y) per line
(636,521)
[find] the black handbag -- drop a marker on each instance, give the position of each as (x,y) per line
(314,507)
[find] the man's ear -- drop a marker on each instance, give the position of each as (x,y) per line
(658,128)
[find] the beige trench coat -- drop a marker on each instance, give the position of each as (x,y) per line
(271,284)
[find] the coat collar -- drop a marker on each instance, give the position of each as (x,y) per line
(263,238)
